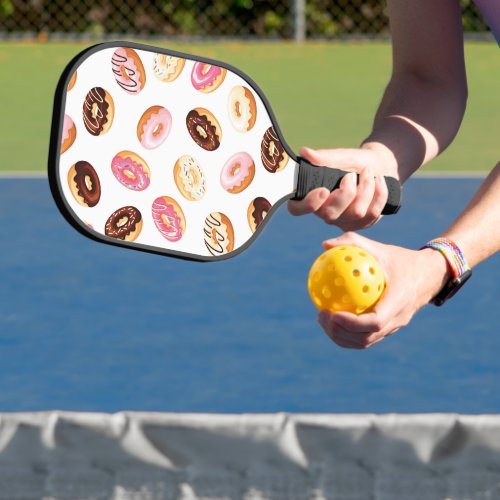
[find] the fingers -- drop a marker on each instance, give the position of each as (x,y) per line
(365,209)
(335,205)
(316,198)
(355,214)
(354,332)
(310,204)
(351,238)
(364,194)
(380,196)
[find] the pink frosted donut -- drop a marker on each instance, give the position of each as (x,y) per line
(206,77)
(237,173)
(154,126)
(69,133)
(168,218)
(128,70)
(131,170)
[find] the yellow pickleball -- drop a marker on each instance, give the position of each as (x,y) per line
(346,278)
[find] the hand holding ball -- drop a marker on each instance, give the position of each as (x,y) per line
(346,278)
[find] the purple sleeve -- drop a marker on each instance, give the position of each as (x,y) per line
(490,9)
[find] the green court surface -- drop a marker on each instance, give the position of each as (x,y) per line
(323,94)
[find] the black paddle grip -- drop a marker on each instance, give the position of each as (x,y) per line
(311,177)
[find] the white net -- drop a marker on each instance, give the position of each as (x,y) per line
(160,456)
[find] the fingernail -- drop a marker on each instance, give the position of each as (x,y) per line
(324,194)
(346,179)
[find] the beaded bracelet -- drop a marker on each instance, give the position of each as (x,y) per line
(460,269)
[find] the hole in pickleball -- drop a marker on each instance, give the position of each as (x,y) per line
(339,281)
(366,289)
(346,299)
(372,270)
(326,292)
(316,276)
(330,268)
(317,300)
(348,258)
(356,273)
(379,287)
(362,254)
(360,309)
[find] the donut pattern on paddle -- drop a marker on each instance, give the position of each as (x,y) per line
(169,152)
(219,234)
(84,184)
(98,111)
(257,211)
(69,133)
(129,72)
(124,224)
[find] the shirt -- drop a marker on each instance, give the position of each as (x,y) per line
(490,9)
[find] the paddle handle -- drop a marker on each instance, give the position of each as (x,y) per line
(311,177)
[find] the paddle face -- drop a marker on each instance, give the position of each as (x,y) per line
(164,152)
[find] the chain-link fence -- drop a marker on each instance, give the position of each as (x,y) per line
(194,18)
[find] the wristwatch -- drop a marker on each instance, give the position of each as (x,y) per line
(460,270)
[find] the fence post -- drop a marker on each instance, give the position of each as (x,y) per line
(299,20)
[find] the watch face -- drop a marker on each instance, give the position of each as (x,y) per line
(451,288)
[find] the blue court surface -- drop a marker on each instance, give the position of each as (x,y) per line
(91,327)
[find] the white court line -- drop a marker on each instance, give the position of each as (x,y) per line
(453,174)
(23,175)
(431,174)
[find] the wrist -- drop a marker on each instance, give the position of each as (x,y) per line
(437,272)
(388,162)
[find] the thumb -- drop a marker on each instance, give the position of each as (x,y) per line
(311,155)
(339,157)
(349,238)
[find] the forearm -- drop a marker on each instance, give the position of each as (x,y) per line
(477,230)
(416,121)
(424,103)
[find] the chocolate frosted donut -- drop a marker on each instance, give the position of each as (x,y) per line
(204,128)
(98,111)
(124,224)
(272,152)
(84,184)
(257,211)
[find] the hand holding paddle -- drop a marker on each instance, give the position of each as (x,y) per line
(360,199)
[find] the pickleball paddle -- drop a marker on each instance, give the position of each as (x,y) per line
(171,153)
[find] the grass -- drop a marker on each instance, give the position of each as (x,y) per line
(323,94)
